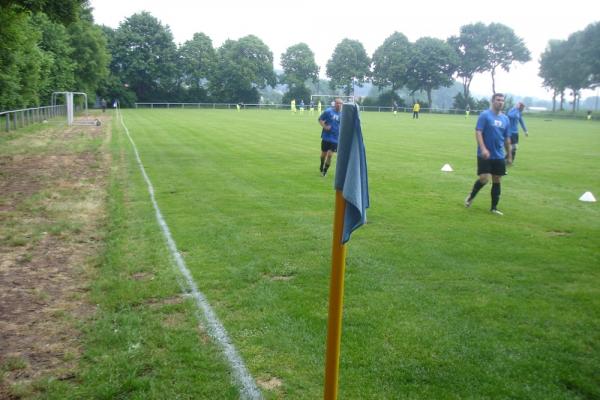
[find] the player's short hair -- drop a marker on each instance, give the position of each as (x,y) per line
(497,95)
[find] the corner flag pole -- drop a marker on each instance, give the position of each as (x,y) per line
(336,300)
(351,201)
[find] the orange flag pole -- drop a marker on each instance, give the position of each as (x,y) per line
(336,301)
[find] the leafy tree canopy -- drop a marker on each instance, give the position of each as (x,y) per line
(144,57)
(431,65)
(90,49)
(349,64)
(59,65)
(243,66)
(197,59)
(470,47)
(390,62)
(299,65)
(63,11)
(504,48)
(590,52)
(21,60)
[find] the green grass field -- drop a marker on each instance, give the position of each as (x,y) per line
(441,302)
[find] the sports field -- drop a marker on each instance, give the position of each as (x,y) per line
(441,302)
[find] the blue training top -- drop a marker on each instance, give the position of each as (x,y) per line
(516,118)
(332,118)
(495,131)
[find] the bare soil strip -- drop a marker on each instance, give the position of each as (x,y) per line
(52,210)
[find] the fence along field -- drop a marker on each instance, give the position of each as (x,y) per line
(441,301)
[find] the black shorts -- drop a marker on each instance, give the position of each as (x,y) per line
(514,138)
(494,167)
(328,146)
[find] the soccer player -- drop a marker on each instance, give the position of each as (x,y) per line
(515,115)
(416,109)
(493,140)
(330,122)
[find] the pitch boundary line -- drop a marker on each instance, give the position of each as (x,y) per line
(216,330)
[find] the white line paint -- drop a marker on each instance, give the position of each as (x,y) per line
(248,388)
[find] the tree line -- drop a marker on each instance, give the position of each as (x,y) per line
(55,46)
(48,46)
(568,66)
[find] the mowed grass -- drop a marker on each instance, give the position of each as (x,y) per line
(441,302)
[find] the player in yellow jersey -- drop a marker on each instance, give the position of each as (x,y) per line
(416,109)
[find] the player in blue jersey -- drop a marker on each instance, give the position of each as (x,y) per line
(493,142)
(330,122)
(515,115)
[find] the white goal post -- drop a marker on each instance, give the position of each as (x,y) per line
(71,108)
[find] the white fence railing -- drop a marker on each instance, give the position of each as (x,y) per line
(15,119)
(233,106)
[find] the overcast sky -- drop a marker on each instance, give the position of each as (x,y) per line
(323,24)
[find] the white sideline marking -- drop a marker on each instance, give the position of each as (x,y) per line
(215,328)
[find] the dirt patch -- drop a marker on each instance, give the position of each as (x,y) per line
(142,276)
(282,278)
(158,303)
(174,320)
(51,217)
(558,233)
(269,383)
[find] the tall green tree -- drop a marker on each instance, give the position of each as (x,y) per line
(59,65)
(504,48)
(90,54)
(552,70)
(21,59)
(572,63)
(48,46)
(197,59)
(348,65)
(144,57)
(470,47)
(113,87)
(62,11)
(591,52)
(391,62)
(576,71)
(299,65)
(243,66)
(431,66)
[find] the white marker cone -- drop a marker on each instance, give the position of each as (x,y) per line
(447,168)
(588,196)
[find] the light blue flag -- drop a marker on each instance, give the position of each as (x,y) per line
(351,171)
